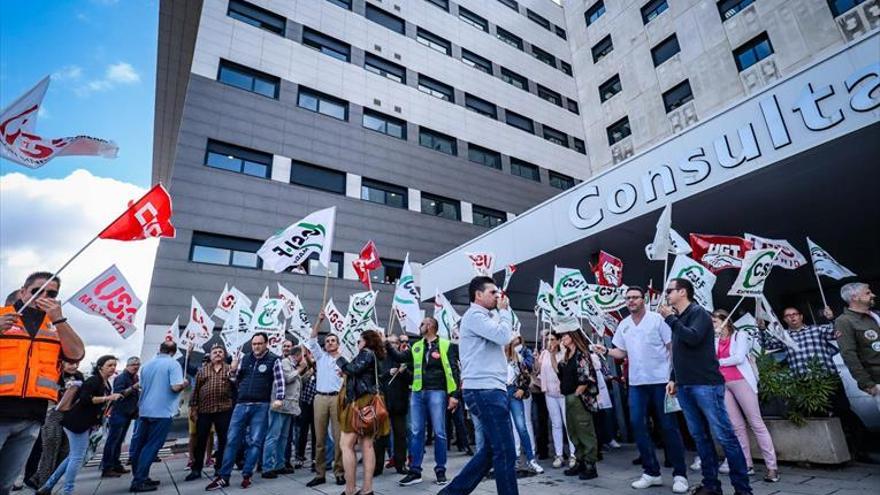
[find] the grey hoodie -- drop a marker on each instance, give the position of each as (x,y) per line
(481,348)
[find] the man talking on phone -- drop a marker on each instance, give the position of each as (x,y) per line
(32,343)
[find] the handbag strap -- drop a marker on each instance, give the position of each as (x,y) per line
(376,371)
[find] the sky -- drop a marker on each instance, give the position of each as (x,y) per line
(101,55)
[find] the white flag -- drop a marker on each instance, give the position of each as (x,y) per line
(702,279)
(747,323)
(200,326)
(227,301)
(606,297)
(774,328)
(588,310)
(110,296)
(446,316)
(295,244)
(755,269)
(361,310)
(173,332)
(661,242)
(788,257)
(289,299)
(347,342)
(237,326)
(824,264)
(276,341)
(545,292)
(267,314)
(677,245)
(20,143)
(406,300)
(299,321)
(482,263)
(569,284)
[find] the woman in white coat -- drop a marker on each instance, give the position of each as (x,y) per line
(741,392)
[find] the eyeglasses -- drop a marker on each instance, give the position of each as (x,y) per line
(670,289)
(633,298)
(52,294)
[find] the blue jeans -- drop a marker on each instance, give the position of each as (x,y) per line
(421,404)
(703,404)
(150,434)
(17,438)
(117,428)
(492,409)
(277,438)
(641,399)
(71,465)
(250,417)
(518,414)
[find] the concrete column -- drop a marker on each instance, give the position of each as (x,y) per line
(281,168)
(353,186)
(467,212)
(414,200)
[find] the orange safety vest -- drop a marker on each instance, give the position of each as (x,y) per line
(29,366)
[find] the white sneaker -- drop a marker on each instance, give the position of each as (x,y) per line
(679,484)
(613,444)
(724,468)
(572,462)
(535,467)
(697,465)
(647,481)
(751,471)
(557,462)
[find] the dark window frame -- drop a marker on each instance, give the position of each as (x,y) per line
(386,120)
(513,4)
(729,8)
(385,188)
(488,158)
(653,9)
(539,19)
(379,66)
(473,19)
(313,267)
(318,172)
(602,48)
(388,273)
(385,19)
(565,67)
(560,181)
(752,47)
(253,74)
(624,131)
(215,149)
(345,4)
(446,92)
(509,38)
(475,61)
(508,76)
(666,49)
(319,41)
(594,13)
(440,4)
(434,42)
(517,164)
(258,17)
(840,7)
(481,106)
(232,244)
(435,137)
(454,203)
(573,107)
(555,136)
(520,122)
(579,145)
(677,95)
(549,95)
(321,98)
(544,56)
(489,214)
(560,32)
(610,88)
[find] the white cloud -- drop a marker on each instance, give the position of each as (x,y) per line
(121,73)
(45,221)
(68,73)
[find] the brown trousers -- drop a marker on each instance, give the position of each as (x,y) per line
(326,411)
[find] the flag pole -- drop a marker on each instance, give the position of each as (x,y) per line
(821,290)
(326,286)
(730,315)
(391,318)
(537,326)
(55,275)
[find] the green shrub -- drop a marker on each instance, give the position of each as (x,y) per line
(804,394)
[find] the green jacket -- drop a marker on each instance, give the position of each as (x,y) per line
(859,343)
(416,355)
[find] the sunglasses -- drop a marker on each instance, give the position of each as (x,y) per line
(671,289)
(51,294)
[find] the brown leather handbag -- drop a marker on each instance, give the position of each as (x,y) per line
(365,420)
(69,398)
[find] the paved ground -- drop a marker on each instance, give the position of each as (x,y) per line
(615,474)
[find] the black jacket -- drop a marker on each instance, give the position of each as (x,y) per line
(360,375)
(127,407)
(693,348)
(395,387)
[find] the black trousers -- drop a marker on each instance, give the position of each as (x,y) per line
(398,432)
(306,423)
(542,426)
(204,422)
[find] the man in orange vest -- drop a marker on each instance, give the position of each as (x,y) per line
(32,342)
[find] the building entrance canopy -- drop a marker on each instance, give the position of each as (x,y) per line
(798,159)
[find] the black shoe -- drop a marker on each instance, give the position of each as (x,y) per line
(588,472)
(315,482)
(441,478)
(468,452)
(109,473)
(288,469)
(152,482)
(121,470)
(269,475)
(193,475)
(410,479)
(143,488)
(340,480)
(574,470)
(218,484)
(599,455)
(702,490)
(401,470)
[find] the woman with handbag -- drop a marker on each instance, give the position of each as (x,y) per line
(85,414)
(518,382)
(555,399)
(362,413)
(741,393)
(579,385)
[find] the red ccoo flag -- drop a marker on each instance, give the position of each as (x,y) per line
(149,216)
(368,260)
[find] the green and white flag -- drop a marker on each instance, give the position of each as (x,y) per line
(545,292)
(406,300)
(295,244)
(569,284)
(446,316)
(755,269)
(296,313)
(825,264)
(267,314)
(361,311)
(774,328)
(747,323)
(606,297)
(702,279)
(237,326)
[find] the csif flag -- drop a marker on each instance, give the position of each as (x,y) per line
(608,270)
(406,300)
(361,310)
(719,252)
(765,312)
(110,296)
(367,261)
(446,316)
(147,217)
(605,297)
(699,276)
(755,269)
(569,284)
(267,314)
(825,264)
(788,257)
(295,244)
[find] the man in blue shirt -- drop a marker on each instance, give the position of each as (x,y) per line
(121,415)
(161,383)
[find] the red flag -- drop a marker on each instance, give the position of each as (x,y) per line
(150,216)
(719,252)
(609,270)
(368,260)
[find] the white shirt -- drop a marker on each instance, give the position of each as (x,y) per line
(328,379)
(645,346)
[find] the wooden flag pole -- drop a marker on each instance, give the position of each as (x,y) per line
(326,287)
(730,315)
(391,318)
(821,290)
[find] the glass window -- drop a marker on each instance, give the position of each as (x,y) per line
(256,16)
(550,95)
(652,9)
(543,56)
(323,104)
(383,193)
(324,179)
(753,51)
(610,88)
(511,77)
(480,106)
(431,40)
(385,124)
(573,107)
(560,32)
(437,141)
(488,217)
(677,96)
(443,4)
(345,4)
(436,88)
(838,7)
(509,38)
(484,156)
(565,67)
(511,3)
(388,273)
(729,8)
(473,19)
(385,68)
(665,50)
(326,45)
(594,12)
(579,145)
(476,61)
(383,18)
(441,207)
(602,48)
(218,249)
(560,181)
(237,159)
(248,79)
(555,137)
(520,122)
(537,19)
(618,131)
(525,169)
(317,269)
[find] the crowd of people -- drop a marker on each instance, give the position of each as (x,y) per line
(382,408)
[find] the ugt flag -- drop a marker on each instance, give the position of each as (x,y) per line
(406,300)
(719,252)
(788,257)
(702,279)
(825,264)
(20,143)
(295,244)
(149,216)
(609,270)
(755,269)
(111,296)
